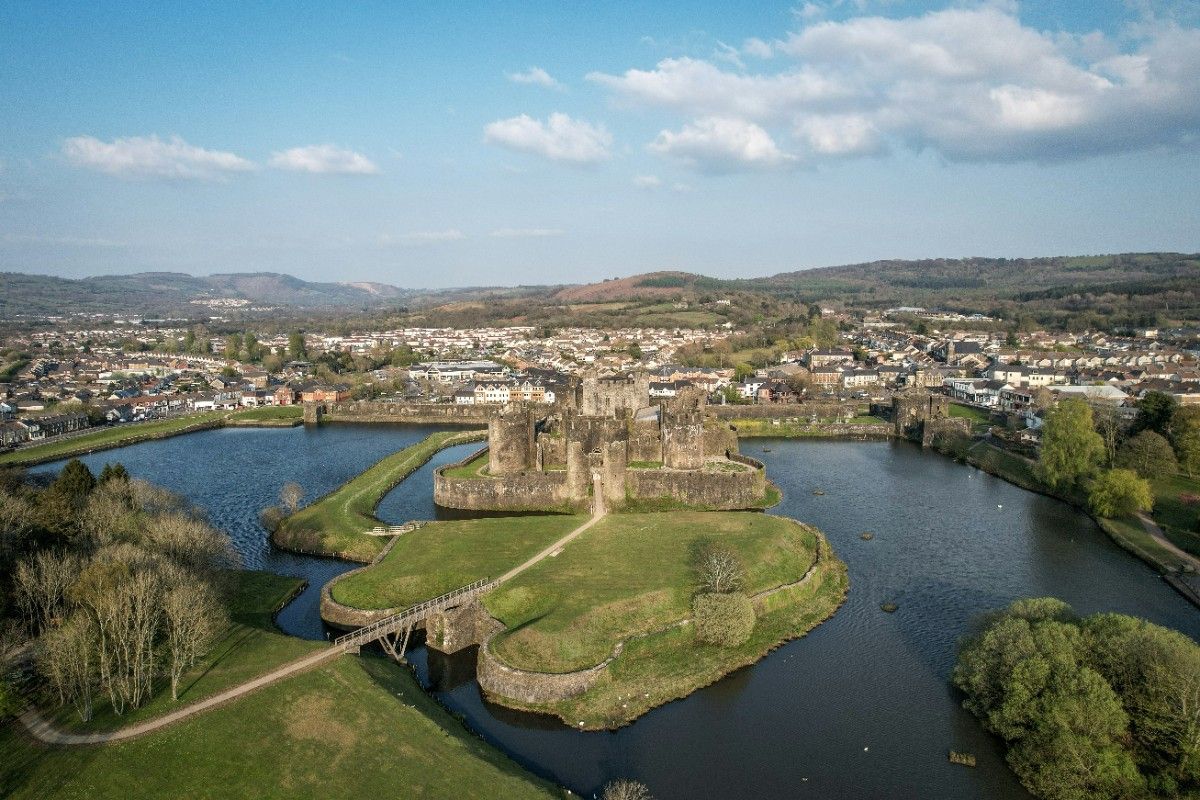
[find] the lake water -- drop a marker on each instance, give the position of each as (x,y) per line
(860,708)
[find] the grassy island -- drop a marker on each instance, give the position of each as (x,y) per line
(336,524)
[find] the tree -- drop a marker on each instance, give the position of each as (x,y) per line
(1118,493)
(1071,448)
(297,351)
(113,472)
(1185,433)
(74,483)
(193,618)
(726,620)
(1108,425)
(250,347)
(233,345)
(1148,454)
(67,657)
(41,585)
(290,496)
(1155,410)
(625,789)
(719,568)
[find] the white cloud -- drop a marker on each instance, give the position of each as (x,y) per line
(151,157)
(647,181)
(417,238)
(966,82)
(717,144)
(323,159)
(559,138)
(525,233)
(535,76)
(729,55)
(757,48)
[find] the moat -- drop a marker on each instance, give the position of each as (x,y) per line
(861,707)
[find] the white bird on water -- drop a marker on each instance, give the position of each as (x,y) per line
(999,506)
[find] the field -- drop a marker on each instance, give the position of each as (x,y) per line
(290,414)
(978,417)
(753,428)
(630,575)
(355,727)
(1177,510)
(335,524)
(445,555)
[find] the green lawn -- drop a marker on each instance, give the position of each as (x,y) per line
(752,428)
(445,555)
(335,524)
(977,416)
(1177,517)
(252,646)
(356,727)
(108,437)
(631,574)
(472,469)
(270,414)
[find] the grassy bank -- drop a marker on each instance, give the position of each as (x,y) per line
(1177,510)
(766,428)
(629,575)
(445,555)
(653,505)
(335,524)
(472,469)
(106,438)
(250,647)
(355,727)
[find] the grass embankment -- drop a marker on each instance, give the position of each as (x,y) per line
(749,428)
(106,438)
(1128,533)
(979,418)
(475,468)
(445,555)
(252,646)
(629,579)
(1177,510)
(116,436)
(335,524)
(353,728)
(771,497)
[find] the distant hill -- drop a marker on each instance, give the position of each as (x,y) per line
(636,287)
(173,292)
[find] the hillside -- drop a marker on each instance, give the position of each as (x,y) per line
(172,292)
(646,286)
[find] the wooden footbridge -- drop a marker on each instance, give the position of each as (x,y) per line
(393,632)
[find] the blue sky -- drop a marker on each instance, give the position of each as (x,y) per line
(476,144)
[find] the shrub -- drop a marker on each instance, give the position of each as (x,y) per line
(1120,492)
(719,568)
(625,789)
(726,620)
(271,518)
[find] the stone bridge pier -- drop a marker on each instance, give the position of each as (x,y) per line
(457,628)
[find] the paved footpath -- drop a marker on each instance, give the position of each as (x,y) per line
(44,730)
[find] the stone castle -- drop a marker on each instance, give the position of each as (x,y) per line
(603,434)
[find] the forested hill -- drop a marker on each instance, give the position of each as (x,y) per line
(173,292)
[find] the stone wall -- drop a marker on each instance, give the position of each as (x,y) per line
(712,490)
(529,491)
(719,439)
(617,396)
(511,441)
(532,688)
(458,628)
(415,413)
(833,409)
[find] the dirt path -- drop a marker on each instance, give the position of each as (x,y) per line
(44,730)
(598,512)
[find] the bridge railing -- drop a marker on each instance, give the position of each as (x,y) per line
(369,633)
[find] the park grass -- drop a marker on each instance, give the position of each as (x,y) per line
(472,469)
(750,428)
(252,646)
(629,575)
(980,420)
(1129,534)
(669,664)
(109,437)
(355,727)
(336,524)
(1179,520)
(289,414)
(442,556)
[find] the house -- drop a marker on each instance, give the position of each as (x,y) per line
(821,358)
(776,392)
(256,377)
(464,397)
(826,377)
(285,395)
(12,434)
(335,393)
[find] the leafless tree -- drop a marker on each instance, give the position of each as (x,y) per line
(190,542)
(1108,425)
(290,497)
(193,619)
(67,657)
(41,583)
(625,789)
(15,514)
(720,569)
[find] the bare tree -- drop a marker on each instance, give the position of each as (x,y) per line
(290,497)
(67,657)
(193,618)
(1108,425)
(625,789)
(15,514)
(42,583)
(719,569)
(192,543)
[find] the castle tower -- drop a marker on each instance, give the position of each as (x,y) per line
(683,430)
(511,440)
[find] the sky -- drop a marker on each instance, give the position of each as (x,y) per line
(470,144)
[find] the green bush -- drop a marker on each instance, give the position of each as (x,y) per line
(1118,493)
(726,620)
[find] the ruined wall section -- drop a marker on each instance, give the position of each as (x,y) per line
(511,441)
